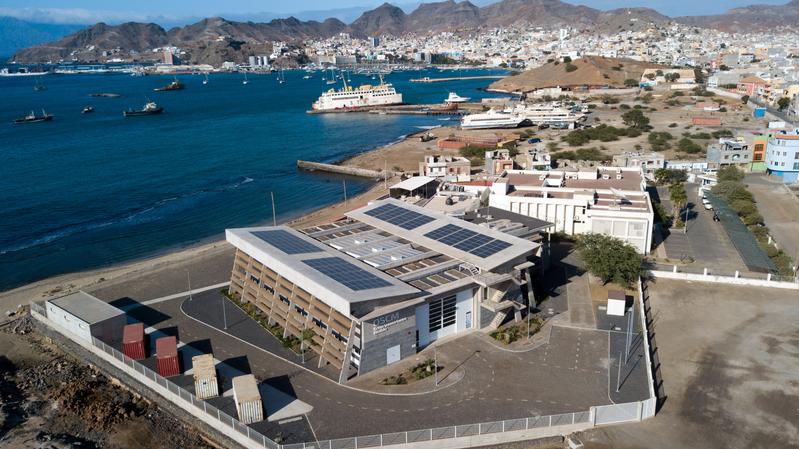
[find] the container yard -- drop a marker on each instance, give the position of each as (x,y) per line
(205,382)
(166,353)
(133,341)
(248,399)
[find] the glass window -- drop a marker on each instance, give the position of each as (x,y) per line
(636,229)
(620,228)
(796,165)
(601,226)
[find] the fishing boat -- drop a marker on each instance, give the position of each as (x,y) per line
(174,85)
(245,79)
(149,109)
(281,78)
(33,118)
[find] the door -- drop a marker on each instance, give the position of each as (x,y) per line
(393,354)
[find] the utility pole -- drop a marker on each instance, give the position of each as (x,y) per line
(274,215)
(629,337)
(224,313)
(345,190)
(188,276)
(435,364)
(385,174)
(618,377)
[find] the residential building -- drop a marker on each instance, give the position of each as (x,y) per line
(497,161)
(385,281)
(448,168)
(729,152)
(647,162)
(753,86)
(782,156)
(607,200)
(758,144)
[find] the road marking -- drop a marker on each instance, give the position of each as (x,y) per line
(286,421)
(193,291)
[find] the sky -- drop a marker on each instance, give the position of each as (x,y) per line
(177,11)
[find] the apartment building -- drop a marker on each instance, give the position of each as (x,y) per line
(782,156)
(729,152)
(447,168)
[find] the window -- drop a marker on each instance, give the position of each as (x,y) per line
(796,155)
(796,165)
(637,229)
(284,299)
(620,228)
(442,313)
(268,288)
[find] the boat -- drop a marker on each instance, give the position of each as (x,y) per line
(306,77)
(39,87)
(491,119)
(105,95)
(205,81)
(547,113)
(281,77)
(87,110)
(149,109)
(174,85)
(455,98)
(366,95)
(245,79)
(21,72)
(33,118)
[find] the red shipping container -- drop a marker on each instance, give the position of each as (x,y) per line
(133,341)
(166,356)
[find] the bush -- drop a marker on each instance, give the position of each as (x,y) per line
(659,140)
(669,176)
(570,67)
(722,133)
(624,107)
(687,145)
(730,173)
(635,119)
(583,154)
(609,258)
(673,125)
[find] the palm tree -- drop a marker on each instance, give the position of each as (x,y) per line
(678,197)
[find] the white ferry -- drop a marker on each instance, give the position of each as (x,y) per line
(546,113)
(360,97)
(491,119)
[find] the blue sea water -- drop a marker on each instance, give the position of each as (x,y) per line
(85,191)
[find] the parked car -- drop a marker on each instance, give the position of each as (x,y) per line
(534,140)
(543,126)
(708,206)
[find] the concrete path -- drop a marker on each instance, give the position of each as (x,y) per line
(581,310)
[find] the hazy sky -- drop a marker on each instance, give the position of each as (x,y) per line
(89,11)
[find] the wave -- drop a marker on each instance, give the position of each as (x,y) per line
(133,216)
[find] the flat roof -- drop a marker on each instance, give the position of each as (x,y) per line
(86,307)
(413,183)
(245,388)
(492,214)
(315,271)
(204,366)
(510,247)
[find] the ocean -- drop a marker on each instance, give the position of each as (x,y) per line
(86,191)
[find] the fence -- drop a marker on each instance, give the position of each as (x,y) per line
(248,437)
(737,278)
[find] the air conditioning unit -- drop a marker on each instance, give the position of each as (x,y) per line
(605,177)
(618,176)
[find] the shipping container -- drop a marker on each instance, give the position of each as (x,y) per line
(778,124)
(248,399)
(759,112)
(205,383)
(133,341)
(166,354)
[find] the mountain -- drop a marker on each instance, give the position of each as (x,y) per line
(444,16)
(629,19)
(16,34)
(385,19)
(275,30)
(749,18)
(538,13)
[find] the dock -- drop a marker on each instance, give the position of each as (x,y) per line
(458,78)
(410,109)
(344,170)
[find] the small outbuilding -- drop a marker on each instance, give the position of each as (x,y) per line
(617,303)
(421,186)
(86,316)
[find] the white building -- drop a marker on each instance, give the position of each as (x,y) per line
(607,200)
(86,316)
(448,168)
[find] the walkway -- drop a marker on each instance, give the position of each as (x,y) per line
(581,309)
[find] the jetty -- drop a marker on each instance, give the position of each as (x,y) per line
(427,79)
(344,170)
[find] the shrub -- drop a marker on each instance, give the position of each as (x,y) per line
(570,67)
(687,145)
(609,258)
(673,125)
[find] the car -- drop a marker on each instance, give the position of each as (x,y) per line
(708,206)
(534,140)
(705,200)
(543,126)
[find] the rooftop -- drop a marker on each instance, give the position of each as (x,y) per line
(86,307)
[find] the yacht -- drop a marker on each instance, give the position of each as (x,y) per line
(491,119)
(546,113)
(366,95)
(455,98)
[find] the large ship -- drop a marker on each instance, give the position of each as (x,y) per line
(361,97)
(149,109)
(547,113)
(491,119)
(174,85)
(33,118)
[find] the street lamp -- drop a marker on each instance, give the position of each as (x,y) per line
(188,277)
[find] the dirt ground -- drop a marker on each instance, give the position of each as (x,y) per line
(50,400)
(728,358)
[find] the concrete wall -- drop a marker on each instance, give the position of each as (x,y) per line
(379,334)
(729,280)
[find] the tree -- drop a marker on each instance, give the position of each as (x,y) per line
(629,82)
(730,173)
(670,176)
(609,258)
(783,103)
(678,197)
(570,67)
(745,99)
(567,59)
(634,118)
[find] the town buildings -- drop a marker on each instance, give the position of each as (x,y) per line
(729,152)
(782,156)
(386,281)
(448,168)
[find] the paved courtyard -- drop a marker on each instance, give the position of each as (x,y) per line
(780,209)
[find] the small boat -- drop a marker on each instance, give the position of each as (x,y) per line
(105,94)
(87,110)
(245,79)
(205,81)
(455,98)
(149,109)
(306,77)
(174,85)
(281,77)
(39,87)
(33,118)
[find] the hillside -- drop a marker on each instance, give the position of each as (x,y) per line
(591,71)
(17,34)
(749,18)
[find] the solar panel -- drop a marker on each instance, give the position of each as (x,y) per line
(474,242)
(345,273)
(489,249)
(457,237)
(286,242)
(398,216)
(442,232)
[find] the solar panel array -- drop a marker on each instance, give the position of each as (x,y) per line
(286,242)
(398,216)
(345,273)
(467,240)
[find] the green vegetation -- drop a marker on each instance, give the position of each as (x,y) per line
(509,334)
(722,133)
(783,103)
(570,67)
(425,369)
(732,190)
(629,82)
(603,133)
(670,176)
(582,154)
(673,125)
(745,99)
(610,259)
(288,341)
(699,136)
(475,153)
(635,119)
(679,198)
(659,140)
(688,146)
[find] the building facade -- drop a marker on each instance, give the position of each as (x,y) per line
(386,281)
(607,200)
(729,152)
(782,156)
(447,168)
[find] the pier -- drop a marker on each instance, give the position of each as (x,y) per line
(344,170)
(458,78)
